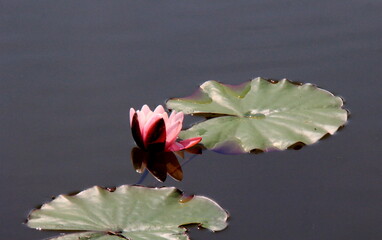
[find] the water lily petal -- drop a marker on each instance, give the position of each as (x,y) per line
(172,133)
(144,114)
(177,146)
(175,117)
(132,112)
(159,109)
(145,109)
(136,131)
(156,136)
(148,125)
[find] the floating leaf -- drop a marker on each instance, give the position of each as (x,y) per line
(261,115)
(127,212)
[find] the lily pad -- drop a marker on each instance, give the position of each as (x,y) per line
(127,212)
(261,115)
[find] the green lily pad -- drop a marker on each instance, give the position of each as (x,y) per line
(261,115)
(128,212)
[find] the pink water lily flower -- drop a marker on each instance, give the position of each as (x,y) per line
(156,131)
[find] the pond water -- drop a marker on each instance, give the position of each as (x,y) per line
(70,71)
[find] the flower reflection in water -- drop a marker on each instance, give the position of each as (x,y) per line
(159,164)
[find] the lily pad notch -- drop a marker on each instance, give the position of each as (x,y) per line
(127,212)
(261,115)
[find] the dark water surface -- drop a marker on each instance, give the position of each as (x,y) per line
(70,71)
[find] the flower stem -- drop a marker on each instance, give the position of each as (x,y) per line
(143,177)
